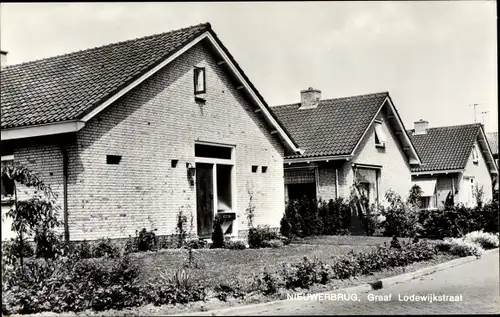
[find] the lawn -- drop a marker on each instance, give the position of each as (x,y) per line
(221,265)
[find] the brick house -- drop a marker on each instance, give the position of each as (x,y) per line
(455,159)
(130,134)
(358,138)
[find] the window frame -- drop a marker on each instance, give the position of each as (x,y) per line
(475,154)
(8,198)
(196,72)
(378,142)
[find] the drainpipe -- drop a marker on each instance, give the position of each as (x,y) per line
(336,183)
(65,192)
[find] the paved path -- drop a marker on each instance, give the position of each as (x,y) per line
(476,285)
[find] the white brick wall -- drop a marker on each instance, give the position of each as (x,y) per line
(159,121)
(152,124)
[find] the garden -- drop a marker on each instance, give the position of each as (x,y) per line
(312,251)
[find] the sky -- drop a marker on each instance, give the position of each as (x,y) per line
(435,58)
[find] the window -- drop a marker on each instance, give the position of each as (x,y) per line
(199,80)
(475,155)
(428,199)
(380,137)
(368,180)
(7,184)
(212,151)
(113,159)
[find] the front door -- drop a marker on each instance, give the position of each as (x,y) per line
(204,199)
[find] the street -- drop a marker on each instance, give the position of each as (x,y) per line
(475,285)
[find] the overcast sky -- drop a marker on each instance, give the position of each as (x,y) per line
(434,58)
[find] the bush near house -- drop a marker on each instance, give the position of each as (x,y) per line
(456,221)
(401,218)
(305,217)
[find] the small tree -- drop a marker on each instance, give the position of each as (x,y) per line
(401,219)
(479,195)
(414,196)
(285,227)
(217,234)
(180,229)
(250,210)
(35,216)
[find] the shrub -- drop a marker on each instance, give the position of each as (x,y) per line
(400,217)
(197,244)
(285,227)
(353,264)
(257,235)
(395,243)
(369,221)
(146,240)
(305,273)
(12,250)
(483,239)
(225,290)
(267,282)
(235,245)
(180,229)
(65,285)
(274,243)
(105,248)
(130,245)
(217,234)
(415,196)
(168,241)
(456,221)
(83,250)
(463,248)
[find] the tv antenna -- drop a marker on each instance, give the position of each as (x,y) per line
(474,105)
(483,113)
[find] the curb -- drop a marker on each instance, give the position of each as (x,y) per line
(363,288)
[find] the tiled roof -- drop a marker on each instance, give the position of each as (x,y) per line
(334,127)
(493,141)
(444,148)
(69,86)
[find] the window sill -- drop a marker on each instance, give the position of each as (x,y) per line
(7,201)
(200,99)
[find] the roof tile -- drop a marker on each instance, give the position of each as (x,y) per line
(334,127)
(444,148)
(66,87)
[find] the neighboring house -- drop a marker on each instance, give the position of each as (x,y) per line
(493,141)
(358,138)
(132,133)
(456,160)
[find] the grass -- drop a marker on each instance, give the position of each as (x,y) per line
(220,265)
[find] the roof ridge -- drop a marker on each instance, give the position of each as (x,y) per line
(338,98)
(207,25)
(455,126)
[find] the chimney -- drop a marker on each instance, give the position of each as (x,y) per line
(420,127)
(4,59)
(309,98)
